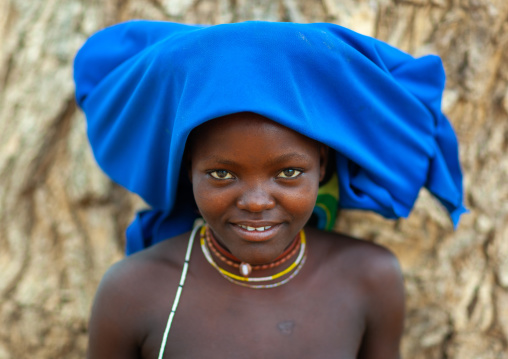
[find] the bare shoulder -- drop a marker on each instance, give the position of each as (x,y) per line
(365,260)
(128,297)
(374,279)
(166,256)
(144,269)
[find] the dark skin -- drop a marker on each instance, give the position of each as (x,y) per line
(347,301)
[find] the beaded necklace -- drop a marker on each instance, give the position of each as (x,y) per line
(295,267)
(198,223)
(272,285)
(245,268)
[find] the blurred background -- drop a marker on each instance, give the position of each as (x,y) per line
(62,221)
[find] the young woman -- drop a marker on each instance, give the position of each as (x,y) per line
(255,127)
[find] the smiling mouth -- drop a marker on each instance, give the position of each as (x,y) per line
(259,233)
(259,229)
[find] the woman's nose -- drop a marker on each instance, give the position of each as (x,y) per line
(256,199)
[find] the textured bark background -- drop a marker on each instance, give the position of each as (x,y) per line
(62,220)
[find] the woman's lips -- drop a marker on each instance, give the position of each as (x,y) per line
(256,232)
(259,229)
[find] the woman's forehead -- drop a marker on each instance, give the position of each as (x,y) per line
(225,130)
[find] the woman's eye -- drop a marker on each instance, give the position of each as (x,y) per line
(289,173)
(221,174)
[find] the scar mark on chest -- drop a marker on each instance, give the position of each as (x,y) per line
(286,327)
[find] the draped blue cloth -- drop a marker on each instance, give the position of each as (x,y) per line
(145,85)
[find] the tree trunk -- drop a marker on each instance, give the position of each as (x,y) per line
(62,221)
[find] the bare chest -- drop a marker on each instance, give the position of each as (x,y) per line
(216,324)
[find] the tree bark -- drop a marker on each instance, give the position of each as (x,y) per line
(62,221)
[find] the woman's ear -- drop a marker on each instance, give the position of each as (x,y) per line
(188,166)
(187,162)
(323,161)
(187,156)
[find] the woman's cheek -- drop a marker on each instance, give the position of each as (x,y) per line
(209,199)
(301,201)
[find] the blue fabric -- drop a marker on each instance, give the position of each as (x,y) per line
(145,85)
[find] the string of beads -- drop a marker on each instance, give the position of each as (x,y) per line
(293,269)
(226,257)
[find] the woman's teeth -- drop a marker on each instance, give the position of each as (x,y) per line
(259,229)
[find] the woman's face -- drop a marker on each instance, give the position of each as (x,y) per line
(255,183)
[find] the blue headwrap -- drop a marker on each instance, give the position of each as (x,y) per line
(145,85)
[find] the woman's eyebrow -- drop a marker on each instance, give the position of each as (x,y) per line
(221,160)
(293,156)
